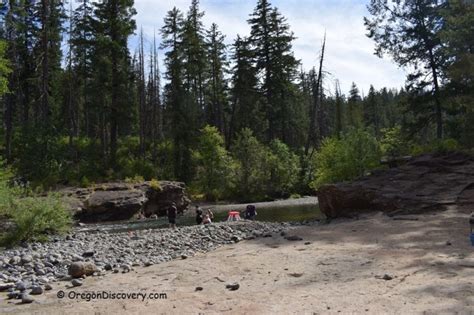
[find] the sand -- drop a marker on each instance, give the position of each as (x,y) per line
(337,268)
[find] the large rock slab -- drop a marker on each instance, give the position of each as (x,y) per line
(113,205)
(424,183)
(121,201)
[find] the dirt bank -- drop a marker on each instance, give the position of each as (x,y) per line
(340,270)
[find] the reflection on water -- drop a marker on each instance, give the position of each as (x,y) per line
(271,214)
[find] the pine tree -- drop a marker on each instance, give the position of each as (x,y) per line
(194,53)
(4,69)
(154,100)
(20,32)
(113,25)
(143,113)
(271,41)
(50,14)
(372,113)
(409,31)
(458,40)
(339,110)
(216,84)
(246,106)
(82,42)
(353,107)
(179,113)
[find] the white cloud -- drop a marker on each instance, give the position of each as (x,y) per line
(349,53)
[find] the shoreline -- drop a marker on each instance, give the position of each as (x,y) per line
(38,264)
(373,265)
(303,201)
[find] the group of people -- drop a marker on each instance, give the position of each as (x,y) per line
(207,216)
(204,218)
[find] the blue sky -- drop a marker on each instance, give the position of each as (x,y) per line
(349,53)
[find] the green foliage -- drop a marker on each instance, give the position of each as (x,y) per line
(134,180)
(214,166)
(346,158)
(4,69)
(295,196)
(252,174)
(34,217)
(85,182)
(155,185)
(436,146)
(284,169)
(393,143)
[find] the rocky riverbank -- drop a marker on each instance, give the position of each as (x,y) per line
(374,265)
(35,267)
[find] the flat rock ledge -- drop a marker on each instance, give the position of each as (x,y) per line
(425,183)
(121,201)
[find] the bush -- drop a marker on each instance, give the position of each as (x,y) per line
(346,158)
(155,185)
(436,146)
(284,169)
(135,179)
(253,170)
(34,216)
(393,143)
(214,166)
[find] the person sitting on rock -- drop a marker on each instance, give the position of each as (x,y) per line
(172,213)
(198,215)
(141,216)
(210,214)
(207,219)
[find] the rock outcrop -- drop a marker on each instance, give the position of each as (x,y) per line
(424,183)
(121,201)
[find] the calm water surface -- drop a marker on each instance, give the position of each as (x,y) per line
(272,214)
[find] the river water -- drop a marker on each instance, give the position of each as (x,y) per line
(297,210)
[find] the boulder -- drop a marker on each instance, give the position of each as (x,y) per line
(111,205)
(160,199)
(427,182)
(122,201)
(79,269)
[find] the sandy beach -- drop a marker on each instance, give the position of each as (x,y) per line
(374,265)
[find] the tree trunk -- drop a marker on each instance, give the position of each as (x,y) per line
(316,91)
(44,110)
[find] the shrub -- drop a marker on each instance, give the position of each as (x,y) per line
(436,146)
(346,158)
(34,216)
(284,169)
(135,179)
(393,143)
(295,196)
(155,184)
(252,172)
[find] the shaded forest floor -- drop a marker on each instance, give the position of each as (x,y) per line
(337,267)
